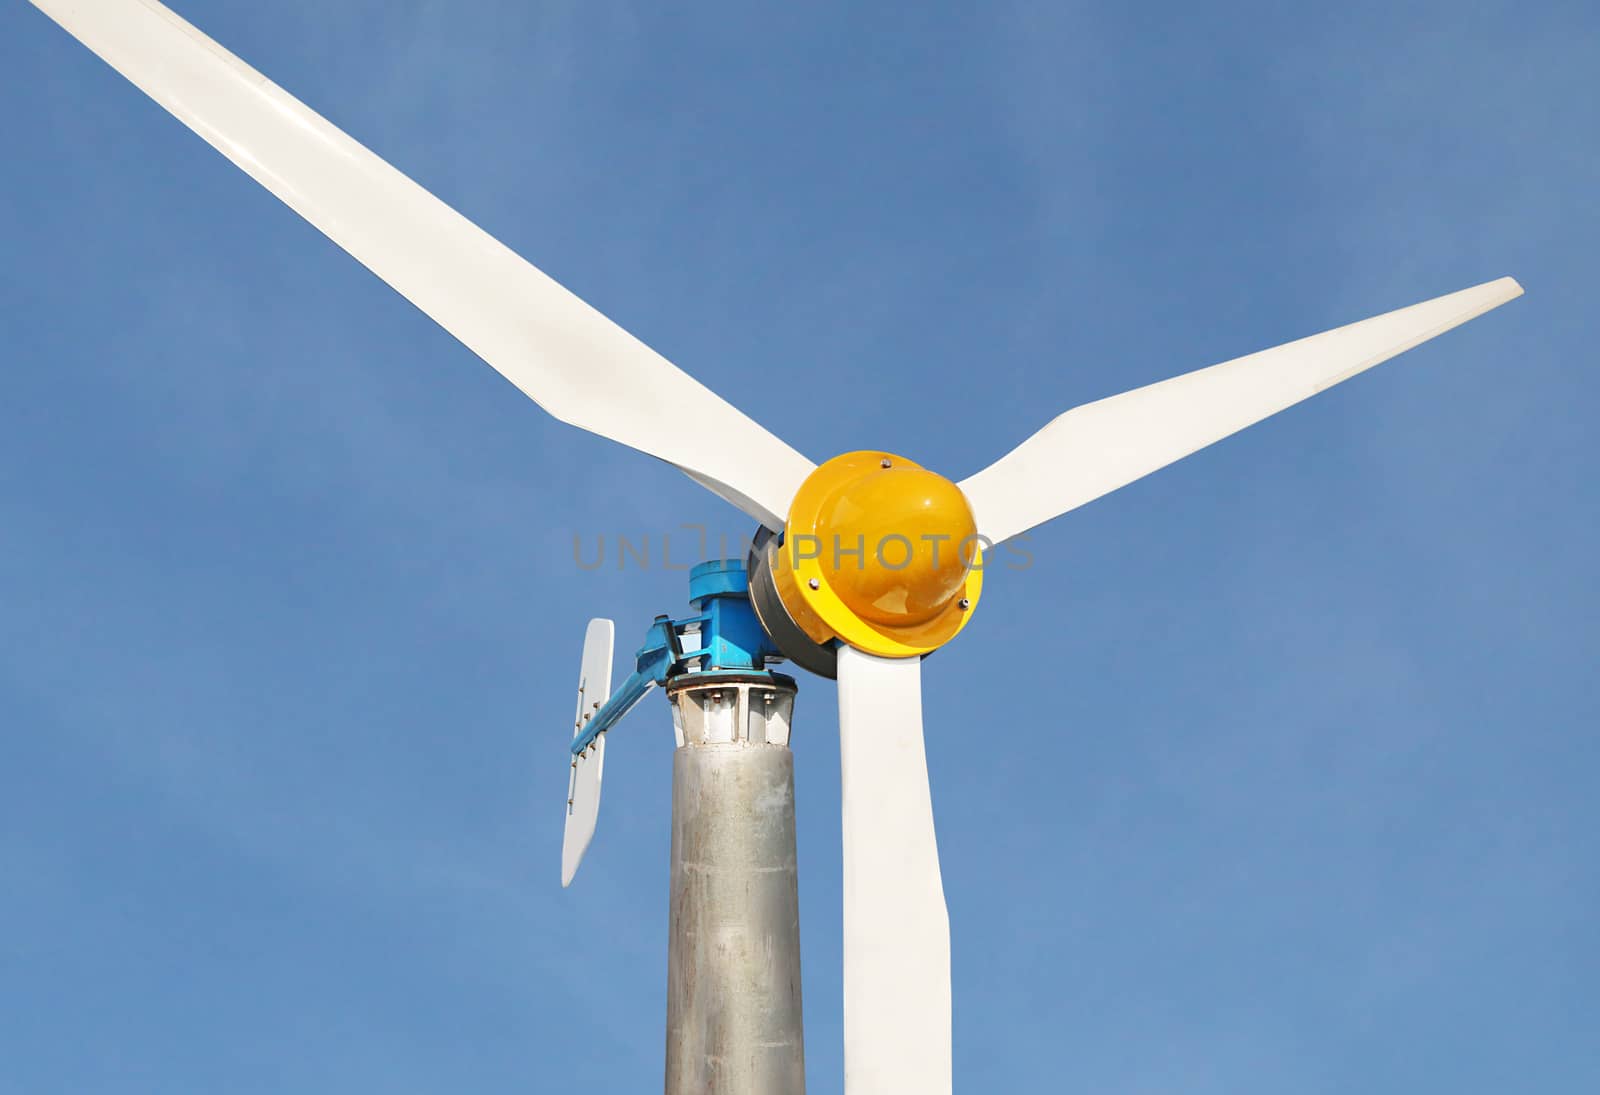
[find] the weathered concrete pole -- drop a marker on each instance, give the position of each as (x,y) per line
(733,959)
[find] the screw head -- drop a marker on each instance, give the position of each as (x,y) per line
(814,584)
(964,603)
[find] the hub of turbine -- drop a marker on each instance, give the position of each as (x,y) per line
(878,552)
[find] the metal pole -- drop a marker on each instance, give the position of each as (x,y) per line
(733,959)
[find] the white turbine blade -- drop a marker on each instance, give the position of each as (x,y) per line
(1094,449)
(896,927)
(563,354)
(583,783)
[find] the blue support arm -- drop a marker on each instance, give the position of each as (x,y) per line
(652,665)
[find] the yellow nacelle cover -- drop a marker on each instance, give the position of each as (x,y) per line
(880,553)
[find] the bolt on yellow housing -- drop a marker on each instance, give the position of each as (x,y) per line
(880,553)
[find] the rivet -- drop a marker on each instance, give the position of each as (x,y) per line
(963,603)
(886,463)
(814,584)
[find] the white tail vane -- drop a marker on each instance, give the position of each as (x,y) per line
(564,355)
(1092,450)
(896,926)
(583,784)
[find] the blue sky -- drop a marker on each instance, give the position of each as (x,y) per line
(1276,773)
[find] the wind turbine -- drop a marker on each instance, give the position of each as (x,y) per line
(821,586)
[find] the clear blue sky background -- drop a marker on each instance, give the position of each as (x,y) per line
(1275,774)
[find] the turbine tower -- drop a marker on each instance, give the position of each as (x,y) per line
(865,563)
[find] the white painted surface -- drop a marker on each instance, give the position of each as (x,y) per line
(896,927)
(583,786)
(1092,450)
(567,357)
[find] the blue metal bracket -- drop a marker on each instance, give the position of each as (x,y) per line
(723,636)
(652,664)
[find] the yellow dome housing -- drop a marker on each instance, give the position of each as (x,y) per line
(880,553)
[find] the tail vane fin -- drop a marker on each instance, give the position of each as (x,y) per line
(583,781)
